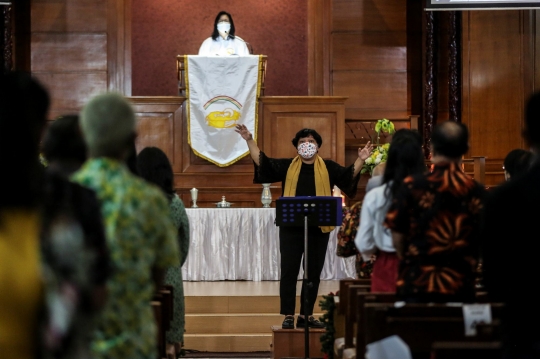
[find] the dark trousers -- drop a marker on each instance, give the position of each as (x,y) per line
(291,247)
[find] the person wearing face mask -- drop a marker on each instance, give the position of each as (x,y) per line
(305,175)
(223,41)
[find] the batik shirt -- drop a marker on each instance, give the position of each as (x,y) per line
(140,235)
(438,215)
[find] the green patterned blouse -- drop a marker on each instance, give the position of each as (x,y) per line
(140,236)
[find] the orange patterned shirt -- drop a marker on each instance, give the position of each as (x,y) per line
(438,215)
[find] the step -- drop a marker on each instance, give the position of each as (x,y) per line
(287,343)
(233,323)
(237,316)
(241,342)
(239,304)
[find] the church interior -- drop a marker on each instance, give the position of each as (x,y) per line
(337,66)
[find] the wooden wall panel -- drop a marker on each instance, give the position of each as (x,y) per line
(497,79)
(61,52)
(372,90)
(369,57)
(160,124)
(369,15)
(156,130)
(69,15)
(285,116)
(370,51)
(286,124)
(80,48)
(319,44)
(70,91)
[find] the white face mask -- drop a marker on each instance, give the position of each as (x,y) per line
(307,150)
(224,27)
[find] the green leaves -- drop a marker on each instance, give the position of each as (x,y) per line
(380,153)
(385,125)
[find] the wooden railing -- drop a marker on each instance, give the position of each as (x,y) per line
(479,168)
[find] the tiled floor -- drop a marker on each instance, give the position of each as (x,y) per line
(207,355)
(248,288)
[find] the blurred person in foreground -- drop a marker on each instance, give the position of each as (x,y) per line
(435,223)
(139,231)
(509,264)
(405,158)
(154,166)
(516,163)
(74,249)
(23,110)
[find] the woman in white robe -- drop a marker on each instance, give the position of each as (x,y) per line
(223,41)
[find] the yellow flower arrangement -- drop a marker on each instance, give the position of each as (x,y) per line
(380,152)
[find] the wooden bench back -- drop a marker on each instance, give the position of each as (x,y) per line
(361,300)
(350,311)
(344,292)
(163,307)
(466,350)
(420,325)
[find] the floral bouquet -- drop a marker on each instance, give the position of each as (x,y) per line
(380,152)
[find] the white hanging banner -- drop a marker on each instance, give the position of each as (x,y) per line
(222,93)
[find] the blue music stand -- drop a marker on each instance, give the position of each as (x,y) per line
(308,211)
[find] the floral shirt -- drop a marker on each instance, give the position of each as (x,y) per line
(438,215)
(140,235)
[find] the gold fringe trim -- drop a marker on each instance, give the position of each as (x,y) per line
(256,115)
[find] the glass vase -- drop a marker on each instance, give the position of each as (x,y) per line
(266,196)
(194,192)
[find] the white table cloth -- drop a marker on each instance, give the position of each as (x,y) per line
(243,244)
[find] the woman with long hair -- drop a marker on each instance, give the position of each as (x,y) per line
(224,41)
(154,166)
(405,158)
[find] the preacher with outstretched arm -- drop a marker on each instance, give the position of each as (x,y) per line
(305,175)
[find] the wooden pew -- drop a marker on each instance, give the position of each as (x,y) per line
(420,325)
(163,305)
(341,316)
(344,292)
(361,327)
(466,350)
(158,315)
(351,310)
(357,313)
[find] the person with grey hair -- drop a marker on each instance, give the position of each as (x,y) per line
(139,231)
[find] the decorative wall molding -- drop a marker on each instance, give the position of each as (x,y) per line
(430,79)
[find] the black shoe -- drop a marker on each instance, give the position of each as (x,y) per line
(288,323)
(312,323)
